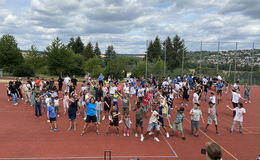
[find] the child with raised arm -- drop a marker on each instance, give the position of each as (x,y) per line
(177,124)
(114,120)
(212,116)
(139,112)
(196,114)
(126,120)
(239,116)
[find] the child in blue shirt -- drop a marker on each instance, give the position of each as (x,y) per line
(51,115)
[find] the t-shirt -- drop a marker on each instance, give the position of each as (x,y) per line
(179,117)
(125,103)
(112,90)
(146,100)
(196,113)
(91,109)
(140,92)
(212,112)
(220,86)
(212,99)
(139,113)
(108,100)
(235,97)
(51,111)
(114,114)
(67,80)
(100,78)
(239,114)
(195,98)
(99,105)
(154,117)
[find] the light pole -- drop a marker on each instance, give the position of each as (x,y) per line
(200,55)
(235,67)
(146,59)
(252,64)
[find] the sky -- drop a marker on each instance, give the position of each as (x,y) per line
(129,24)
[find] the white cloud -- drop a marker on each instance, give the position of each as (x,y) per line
(127,24)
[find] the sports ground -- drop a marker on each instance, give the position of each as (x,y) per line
(22,136)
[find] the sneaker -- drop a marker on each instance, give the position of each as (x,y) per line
(156,139)
(136,135)
(97,132)
(167,135)
(106,134)
(205,131)
(15,104)
(142,139)
(240,132)
(120,121)
(82,133)
(58,115)
(230,131)
(183,138)
(51,130)
(217,133)
(142,135)
(56,129)
(127,134)
(124,134)
(103,118)
(196,135)
(150,133)
(130,122)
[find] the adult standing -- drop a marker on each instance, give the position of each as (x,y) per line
(13,92)
(74,81)
(101,79)
(72,111)
(60,81)
(67,83)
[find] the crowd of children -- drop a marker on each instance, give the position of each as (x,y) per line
(98,99)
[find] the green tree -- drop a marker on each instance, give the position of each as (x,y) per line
(116,67)
(178,50)
(139,70)
(35,59)
(10,54)
(110,54)
(76,45)
(76,64)
(93,66)
(97,51)
(59,57)
(167,44)
(88,51)
(154,50)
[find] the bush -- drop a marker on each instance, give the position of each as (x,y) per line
(23,70)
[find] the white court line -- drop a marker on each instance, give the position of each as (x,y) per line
(215,142)
(170,146)
(91,157)
(251,127)
(229,107)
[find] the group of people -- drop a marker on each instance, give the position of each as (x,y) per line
(96,100)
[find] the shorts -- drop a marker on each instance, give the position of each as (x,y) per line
(246,96)
(153,125)
(115,122)
(138,123)
(72,116)
(145,108)
(52,119)
(177,126)
(125,111)
(195,124)
(210,120)
(219,92)
(91,119)
(106,108)
(161,121)
(115,103)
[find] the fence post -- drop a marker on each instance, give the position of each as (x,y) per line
(146,59)
(235,66)
(218,57)
(200,55)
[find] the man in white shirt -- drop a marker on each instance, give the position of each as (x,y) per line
(67,83)
(195,98)
(153,123)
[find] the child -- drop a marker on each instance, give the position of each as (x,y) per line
(65,102)
(212,99)
(72,111)
(146,102)
(51,115)
(153,123)
(195,113)
(114,120)
(139,112)
(212,116)
(107,105)
(240,111)
(246,94)
(38,105)
(98,109)
(56,105)
(177,124)
(127,124)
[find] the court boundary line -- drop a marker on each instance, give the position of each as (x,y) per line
(169,145)
(215,142)
(86,157)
